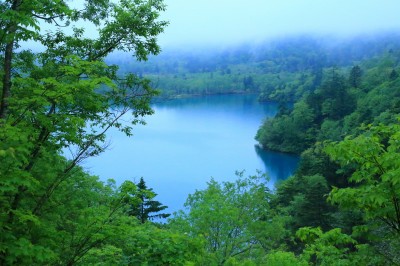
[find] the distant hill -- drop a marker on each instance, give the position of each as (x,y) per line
(277,69)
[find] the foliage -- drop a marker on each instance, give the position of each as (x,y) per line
(301,201)
(289,133)
(225,215)
(314,161)
(375,156)
(358,224)
(279,70)
(281,258)
(334,248)
(355,76)
(64,98)
(336,107)
(145,245)
(143,209)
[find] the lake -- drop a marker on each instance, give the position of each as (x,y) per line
(188,141)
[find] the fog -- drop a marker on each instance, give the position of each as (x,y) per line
(226,22)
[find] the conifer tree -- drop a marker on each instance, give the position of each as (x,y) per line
(393,75)
(355,77)
(147,206)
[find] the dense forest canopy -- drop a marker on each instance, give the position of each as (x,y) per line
(278,69)
(341,207)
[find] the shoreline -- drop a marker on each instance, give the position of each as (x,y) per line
(195,95)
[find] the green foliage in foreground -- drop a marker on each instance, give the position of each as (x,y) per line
(87,222)
(65,98)
(230,217)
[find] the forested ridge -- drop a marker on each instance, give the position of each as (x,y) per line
(339,110)
(279,70)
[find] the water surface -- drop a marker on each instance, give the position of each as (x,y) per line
(188,141)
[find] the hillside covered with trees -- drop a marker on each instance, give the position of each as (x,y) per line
(279,70)
(339,110)
(365,93)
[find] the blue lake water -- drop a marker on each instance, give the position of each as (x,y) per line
(188,141)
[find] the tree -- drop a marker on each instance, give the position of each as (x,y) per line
(335,248)
(281,258)
(147,205)
(309,206)
(337,101)
(393,75)
(145,244)
(225,215)
(302,199)
(355,76)
(63,98)
(248,83)
(289,133)
(375,160)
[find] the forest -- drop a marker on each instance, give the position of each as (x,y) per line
(281,69)
(339,111)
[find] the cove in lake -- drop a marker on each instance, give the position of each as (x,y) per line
(188,141)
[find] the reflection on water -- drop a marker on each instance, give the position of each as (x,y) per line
(278,165)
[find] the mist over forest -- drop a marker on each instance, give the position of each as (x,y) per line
(264,67)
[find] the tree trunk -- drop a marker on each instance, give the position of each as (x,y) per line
(6,80)
(8,55)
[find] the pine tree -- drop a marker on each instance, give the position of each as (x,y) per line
(147,205)
(355,77)
(393,75)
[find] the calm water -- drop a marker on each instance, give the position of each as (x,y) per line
(188,141)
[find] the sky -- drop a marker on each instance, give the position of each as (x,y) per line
(226,22)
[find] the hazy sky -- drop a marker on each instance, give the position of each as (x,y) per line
(231,21)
